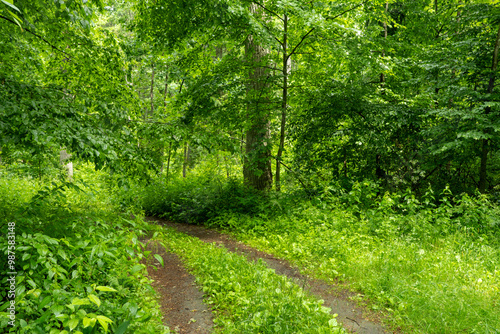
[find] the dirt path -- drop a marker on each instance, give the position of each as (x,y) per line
(181,301)
(352,317)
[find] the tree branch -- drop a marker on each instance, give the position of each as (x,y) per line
(267,10)
(347,11)
(301,41)
(36,35)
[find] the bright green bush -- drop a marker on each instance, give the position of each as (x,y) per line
(77,259)
(73,282)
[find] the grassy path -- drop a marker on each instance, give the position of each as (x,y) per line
(180,300)
(263,295)
(248,297)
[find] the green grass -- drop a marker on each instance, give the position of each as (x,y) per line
(248,297)
(431,264)
(430,282)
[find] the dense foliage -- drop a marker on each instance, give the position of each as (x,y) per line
(77,258)
(357,139)
(424,263)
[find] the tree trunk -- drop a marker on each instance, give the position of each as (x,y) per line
(286,58)
(187,150)
(257,163)
(168,159)
(151,93)
(485,142)
(164,109)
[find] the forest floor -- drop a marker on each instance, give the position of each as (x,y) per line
(182,302)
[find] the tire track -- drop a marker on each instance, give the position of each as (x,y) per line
(352,317)
(181,301)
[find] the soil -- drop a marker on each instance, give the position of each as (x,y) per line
(351,315)
(181,301)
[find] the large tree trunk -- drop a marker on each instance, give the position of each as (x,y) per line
(257,163)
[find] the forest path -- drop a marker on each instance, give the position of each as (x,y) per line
(352,316)
(181,301)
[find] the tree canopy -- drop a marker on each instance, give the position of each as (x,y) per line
(403,93)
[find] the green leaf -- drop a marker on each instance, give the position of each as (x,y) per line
(44,316)
(44,302)
(160,259)
(105,288)
(72,324)
(33,284)
(78,301)
(10,4)
(145,318)
(94,299)
(122,328)
(104,321)
(88,322)
(136,268)
(35,292)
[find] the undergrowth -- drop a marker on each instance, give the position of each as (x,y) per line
(248,297)
(76,256)
(432,268)
(432,263)
(192,200)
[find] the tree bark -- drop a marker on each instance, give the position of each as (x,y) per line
(187,151)
(285,69)
(164,109)
(257,163)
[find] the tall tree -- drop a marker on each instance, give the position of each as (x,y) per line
(257,164)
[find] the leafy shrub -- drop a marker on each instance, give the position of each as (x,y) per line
(200,199)
(78,283)
(77,260)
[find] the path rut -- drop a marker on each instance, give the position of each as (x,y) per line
(353,318)
(181,301)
